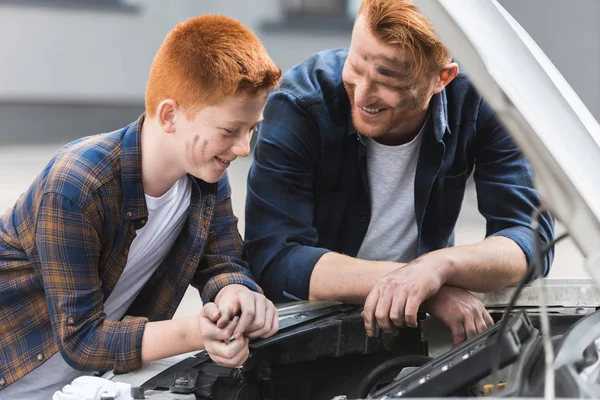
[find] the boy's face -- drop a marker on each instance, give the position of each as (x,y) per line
(218,134)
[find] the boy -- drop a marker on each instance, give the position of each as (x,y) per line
(97,254)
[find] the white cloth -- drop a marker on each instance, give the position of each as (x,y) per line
(166,217)
(93,388)
(392,232)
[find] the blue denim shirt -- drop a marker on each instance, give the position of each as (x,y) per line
(308,189)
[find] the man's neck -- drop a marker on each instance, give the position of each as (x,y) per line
(159,170)
(405,132)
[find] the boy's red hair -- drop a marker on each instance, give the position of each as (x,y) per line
(206,58)
(399,22)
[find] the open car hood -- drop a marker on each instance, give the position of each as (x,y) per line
(533,101)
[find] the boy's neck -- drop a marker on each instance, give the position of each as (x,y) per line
(160,171)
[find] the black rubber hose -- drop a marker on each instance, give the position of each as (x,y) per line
(398,363)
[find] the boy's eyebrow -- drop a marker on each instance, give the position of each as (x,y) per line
(238,122)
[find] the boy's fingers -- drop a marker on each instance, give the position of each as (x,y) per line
(211,311)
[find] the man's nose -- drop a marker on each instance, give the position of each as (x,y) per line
(363,95)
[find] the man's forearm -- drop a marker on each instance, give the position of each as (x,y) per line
(487,266)
(342,278)
(169,338)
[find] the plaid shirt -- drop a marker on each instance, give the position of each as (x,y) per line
(64,245)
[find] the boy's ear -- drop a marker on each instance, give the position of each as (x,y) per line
(165,114)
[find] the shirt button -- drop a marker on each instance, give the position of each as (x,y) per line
(143,222)
(126,252)
(363,217)
(40,357)
(129,214)
(70,320)
(2,382)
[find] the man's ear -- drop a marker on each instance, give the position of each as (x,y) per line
(165,114)
(446,76)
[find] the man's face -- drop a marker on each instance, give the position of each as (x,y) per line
(218,134)
(376,77)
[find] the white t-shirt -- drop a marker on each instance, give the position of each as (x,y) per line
(166,217)
(392,232)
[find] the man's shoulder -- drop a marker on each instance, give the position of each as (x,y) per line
(463,99)
(315,88)
(317,78)
(82,166)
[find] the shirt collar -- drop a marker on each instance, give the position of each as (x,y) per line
(134,201)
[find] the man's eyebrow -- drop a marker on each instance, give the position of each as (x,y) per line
(391,73)
(403,73)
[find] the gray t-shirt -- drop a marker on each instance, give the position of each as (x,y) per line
(392,233)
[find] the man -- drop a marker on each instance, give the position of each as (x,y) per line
(96,256)
(359,174)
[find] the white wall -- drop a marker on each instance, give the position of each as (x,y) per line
(78,55)
(569,34)
(61,54)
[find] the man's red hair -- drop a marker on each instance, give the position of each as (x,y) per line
(399,22)
(206,58)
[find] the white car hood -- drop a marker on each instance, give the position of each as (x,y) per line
(555,130)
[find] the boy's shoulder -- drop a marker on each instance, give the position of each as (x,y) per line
(81,167)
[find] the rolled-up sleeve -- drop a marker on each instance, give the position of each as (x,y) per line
(281,240)
(223,261)
(505,189)
(69,249)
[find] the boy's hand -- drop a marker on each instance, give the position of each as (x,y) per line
(217,340)
(258,316)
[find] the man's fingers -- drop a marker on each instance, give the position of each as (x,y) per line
(248,309)
(211,311)
(489,321)
(458,333)
(397,310)
(382,312)
(470,328)
(410,311)
(369,311)
(480,324)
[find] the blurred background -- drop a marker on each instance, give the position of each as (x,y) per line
(71,68)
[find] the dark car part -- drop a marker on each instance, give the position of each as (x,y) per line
(464,365)
(317,353)
(395,366)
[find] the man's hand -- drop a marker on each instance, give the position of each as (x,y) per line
(258,315)
(397,296)
(464,314)
(217,340)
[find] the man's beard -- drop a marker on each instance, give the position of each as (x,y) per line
(387,123)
